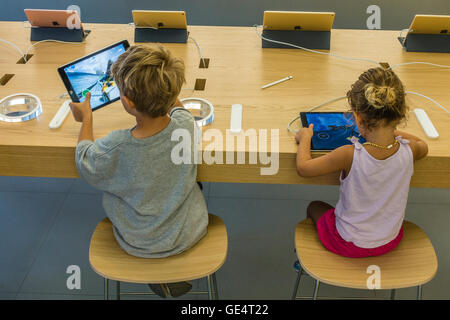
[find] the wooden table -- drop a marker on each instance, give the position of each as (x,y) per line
(238,68)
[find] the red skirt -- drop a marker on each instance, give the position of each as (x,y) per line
(331,239)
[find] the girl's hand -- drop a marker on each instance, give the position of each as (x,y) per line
(81,110)
(304,133)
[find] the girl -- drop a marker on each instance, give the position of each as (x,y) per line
(375,176)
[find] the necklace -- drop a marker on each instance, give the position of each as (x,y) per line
(382,147)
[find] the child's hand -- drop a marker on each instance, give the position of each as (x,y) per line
(81,110)
(304,133)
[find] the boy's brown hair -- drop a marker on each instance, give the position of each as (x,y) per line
(150,77)
(378,97)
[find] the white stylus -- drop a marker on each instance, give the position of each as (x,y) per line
(426,123)
(276,82)
(60,115)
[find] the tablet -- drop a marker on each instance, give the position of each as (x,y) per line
(54,18)
(430,24)
(298,20)
(93,74)
(331,129)
(159,19)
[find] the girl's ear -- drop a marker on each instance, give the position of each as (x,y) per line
(358,123)
(357,118)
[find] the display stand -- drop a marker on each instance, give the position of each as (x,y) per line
(308,39)
(166,35)
(60,34)
(426,42)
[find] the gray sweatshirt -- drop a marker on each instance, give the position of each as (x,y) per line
(155,205)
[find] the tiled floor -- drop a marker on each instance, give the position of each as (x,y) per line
(46,224)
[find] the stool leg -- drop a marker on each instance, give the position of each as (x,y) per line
(419,292)
(209,288)
(216,292)
(392,294)
(118,290)
(106,289)
(316,290)
(297,282)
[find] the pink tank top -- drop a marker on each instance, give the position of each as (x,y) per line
(373,196)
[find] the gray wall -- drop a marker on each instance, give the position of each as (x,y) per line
(395,14)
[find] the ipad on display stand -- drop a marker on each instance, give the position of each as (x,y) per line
(428,33)
(160,26)
(310,30)
(61,25)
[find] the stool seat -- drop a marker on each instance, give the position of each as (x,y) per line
(109,260)
(412,263)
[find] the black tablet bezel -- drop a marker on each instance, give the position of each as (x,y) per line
(305,124)
(67,83)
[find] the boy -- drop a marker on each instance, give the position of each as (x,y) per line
(156,206)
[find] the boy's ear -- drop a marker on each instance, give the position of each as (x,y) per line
(128,102)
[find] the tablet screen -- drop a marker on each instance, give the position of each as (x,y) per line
(93,74)
(331,129)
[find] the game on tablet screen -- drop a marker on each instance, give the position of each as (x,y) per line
(332,130)
(94,75)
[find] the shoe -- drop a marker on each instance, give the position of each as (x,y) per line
(297,266)
(159,289)
(178,289)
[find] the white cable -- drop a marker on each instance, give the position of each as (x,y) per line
(310,50)
(424,96)
(427,63)
(199,50)
(48,40)
(348,58)
(14,46)
(401,32)
(314,108)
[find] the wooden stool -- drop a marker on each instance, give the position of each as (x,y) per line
(412,263)
(203,260)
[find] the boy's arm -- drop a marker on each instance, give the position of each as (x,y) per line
(337,160)
(82,112)
(418,146)
(86,131)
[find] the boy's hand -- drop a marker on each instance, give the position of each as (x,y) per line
(304,133)
(81,110)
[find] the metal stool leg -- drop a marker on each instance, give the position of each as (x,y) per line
(216,292)
(316,290)
(209,288)
(419,292)
(297,282)
(118,290)
(392,294)
(105,295)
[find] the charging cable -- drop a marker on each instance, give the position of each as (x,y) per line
(347,58)
(199,50)
(48,40)
(310,50)
(428,98)
(14,46)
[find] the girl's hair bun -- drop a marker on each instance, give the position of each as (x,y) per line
(380,96)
